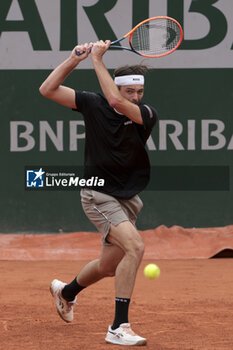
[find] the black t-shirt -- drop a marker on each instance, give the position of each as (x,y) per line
(115,146)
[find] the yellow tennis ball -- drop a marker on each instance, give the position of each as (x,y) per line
(152,271)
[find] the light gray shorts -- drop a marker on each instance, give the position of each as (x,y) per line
(104,210)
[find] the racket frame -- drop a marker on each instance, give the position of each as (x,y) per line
(130,34)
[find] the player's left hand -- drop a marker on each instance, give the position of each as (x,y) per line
(99,48)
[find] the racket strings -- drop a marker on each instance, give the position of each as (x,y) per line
(156,37)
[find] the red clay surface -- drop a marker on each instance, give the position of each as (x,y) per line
(161,243)
(189,307)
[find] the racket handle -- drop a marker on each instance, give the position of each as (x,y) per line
(81,53)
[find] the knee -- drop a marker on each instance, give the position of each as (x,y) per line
(140,250)
(137,250)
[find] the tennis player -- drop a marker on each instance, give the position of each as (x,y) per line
(117,127)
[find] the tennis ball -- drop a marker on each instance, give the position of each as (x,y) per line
(152,271)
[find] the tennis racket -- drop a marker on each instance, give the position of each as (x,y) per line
(153,37)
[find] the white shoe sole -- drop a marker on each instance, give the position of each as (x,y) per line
(118,342)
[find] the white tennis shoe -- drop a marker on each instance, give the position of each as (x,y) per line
(64,307)
(124,335)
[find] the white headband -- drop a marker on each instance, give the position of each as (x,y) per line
(129,80)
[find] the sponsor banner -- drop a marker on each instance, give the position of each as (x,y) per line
(38,34)
(212,135)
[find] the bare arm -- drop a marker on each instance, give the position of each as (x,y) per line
(52,87)
(109,88)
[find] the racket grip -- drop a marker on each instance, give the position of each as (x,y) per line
(81,53)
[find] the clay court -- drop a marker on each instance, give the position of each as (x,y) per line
(189,307)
